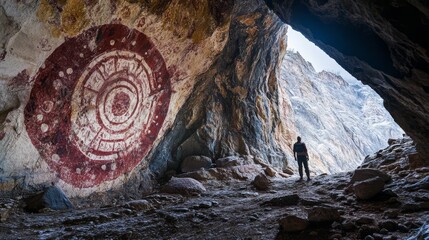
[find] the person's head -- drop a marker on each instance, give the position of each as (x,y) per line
(299,139)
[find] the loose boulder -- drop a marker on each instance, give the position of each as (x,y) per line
(367,189)
(195,163)
(53,198)
(287,200)
(138,205)
(323,214)
(232,161)
(293,223)
(363,174)
(183,186)
(261,182)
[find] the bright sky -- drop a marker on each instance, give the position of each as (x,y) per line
(318,58)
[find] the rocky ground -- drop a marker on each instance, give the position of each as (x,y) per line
(388,203)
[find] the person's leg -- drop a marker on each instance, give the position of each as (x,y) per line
(307,171)
(300,168)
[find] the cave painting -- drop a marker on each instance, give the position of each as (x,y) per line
(98,104)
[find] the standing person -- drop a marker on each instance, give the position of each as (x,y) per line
(301,155)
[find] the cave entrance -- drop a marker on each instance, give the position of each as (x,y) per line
(340,119)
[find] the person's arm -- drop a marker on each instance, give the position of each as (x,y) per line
(294,152)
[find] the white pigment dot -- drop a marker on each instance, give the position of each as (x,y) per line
(113,166)
(156,116)
(69,71)
(44,127)
(112,42)
(39,117)
(55,157)
(133,43)
(148,131)
(61,74)
(159,86)
(123,39)
(103,166)
(78,171)
(81,55)
(92,177)
(145,53)
(85,46)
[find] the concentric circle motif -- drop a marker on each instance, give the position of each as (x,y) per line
(98,103)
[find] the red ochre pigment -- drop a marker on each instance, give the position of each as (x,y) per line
(98,103)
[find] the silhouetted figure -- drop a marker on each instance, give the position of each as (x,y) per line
(301,155)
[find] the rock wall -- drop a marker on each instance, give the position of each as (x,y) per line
(88,89)
(112,94)
(340,122)
(383,44)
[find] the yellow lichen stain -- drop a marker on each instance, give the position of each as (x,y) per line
(45,12)
(73,17)
(192,18)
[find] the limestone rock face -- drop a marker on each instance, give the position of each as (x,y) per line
(112,94)
(340,121)
(383,44)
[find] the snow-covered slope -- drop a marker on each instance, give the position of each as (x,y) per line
(340,122)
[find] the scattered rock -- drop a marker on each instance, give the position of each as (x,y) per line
(53,198)
(422,184)
(270,171)
(293,223)
(391,141)
(261,182)
(367,189)
(183,186)
(363,174)
(232,161)
(403,228)
(138,205)
(365,220)
(194,163)
(389,225)
(366,230)
(288,200)
(392,214)
(323,214)
(348,225)
(4,214)
(288,170)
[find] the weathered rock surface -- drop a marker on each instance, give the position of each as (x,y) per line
(363,174)
(241,172)
(323,214)
(138,204)
(261,182)
(293,223)
(53,198)
(183,186)
(367,189)
(194,163)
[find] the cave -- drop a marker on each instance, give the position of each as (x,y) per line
(165,119)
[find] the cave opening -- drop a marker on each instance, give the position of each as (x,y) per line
(340,119)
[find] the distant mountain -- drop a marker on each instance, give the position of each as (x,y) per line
(340,122)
